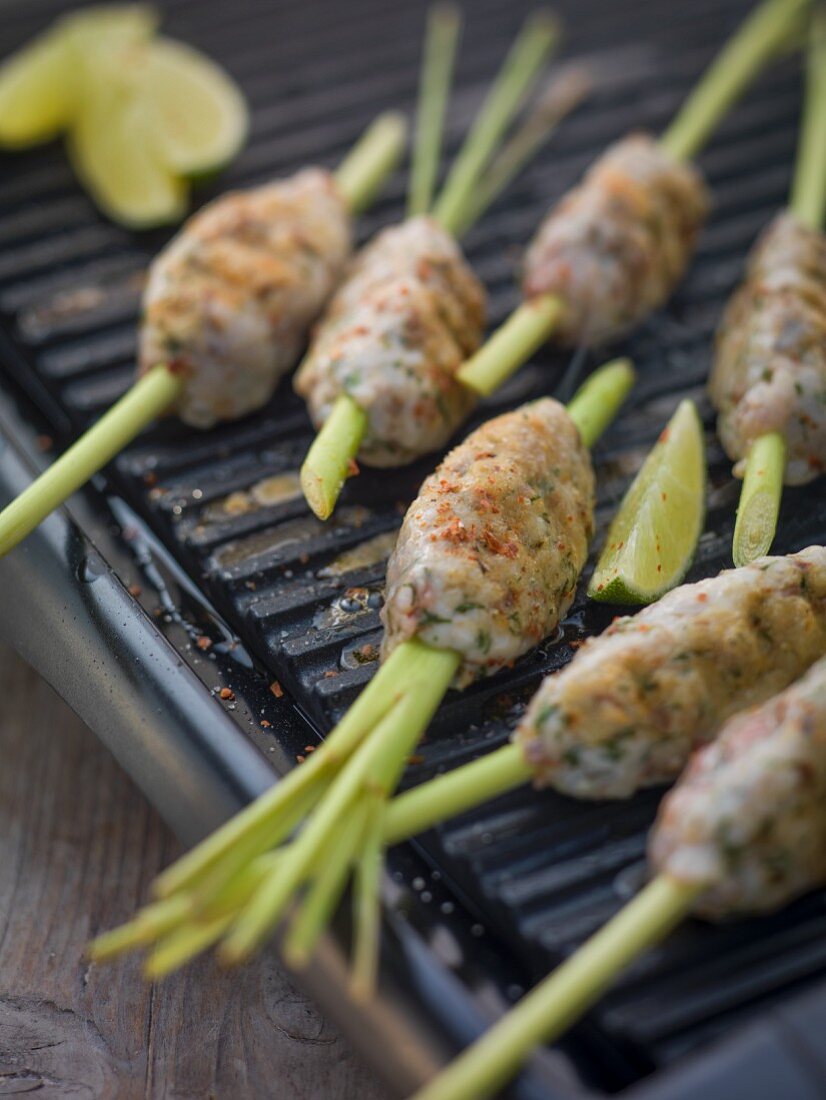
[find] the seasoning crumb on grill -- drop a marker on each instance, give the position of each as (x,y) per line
(366,653)
(276,689)
(304,558)
(299,758)
(265,724)
(331,673)
(250,585)
(134,590)
(44,442)
(203,642)
(309,748)
(225,693)
(150,478)
(417,758)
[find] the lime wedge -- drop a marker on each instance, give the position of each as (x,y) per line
(34,106)
(113,151)
(198,113)
(39,86)
(654,535)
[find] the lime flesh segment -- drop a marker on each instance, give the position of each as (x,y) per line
(199,116)
(654,535)
(113,152)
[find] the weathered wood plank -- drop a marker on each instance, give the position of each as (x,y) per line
(79,846)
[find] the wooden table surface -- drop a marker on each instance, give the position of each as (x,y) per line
(79,846)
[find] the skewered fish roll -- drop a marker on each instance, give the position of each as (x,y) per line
(489,553)
(230,301)
(635,701)
(615,247)
(393,338)
(770,368)
(749,814)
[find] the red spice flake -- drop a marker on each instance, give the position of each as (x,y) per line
(277,689)
(225,693)
(498,546)
(331,673)
(44,443)
(702,597)
(203,643)
(663,435)
(353,468)
(135,590)
(265,724)
(455,531)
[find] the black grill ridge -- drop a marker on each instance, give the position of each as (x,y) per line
(542,871)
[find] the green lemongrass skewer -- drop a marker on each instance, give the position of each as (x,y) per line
(762,490)
(331,458)
(150,396)
(597,401)
(155,393)
(513,343)
(370,707)
(203,926)
(426,673)
(565,92)
(371,160)
(183,944)
(724,81)
(808,198)
(557,1002)
(449,795)
(366,904)
(760,498)
(150,924)
(311,918)
(735,67)
(443,28)
(523,63)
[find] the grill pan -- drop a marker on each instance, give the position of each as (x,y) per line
(193,565)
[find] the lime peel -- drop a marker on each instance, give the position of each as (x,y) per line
(653,537)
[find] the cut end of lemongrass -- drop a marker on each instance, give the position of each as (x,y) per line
(760,497)
(331,458)
(755,528)
(524,332)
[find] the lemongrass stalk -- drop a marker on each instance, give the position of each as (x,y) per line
(366,905)
(183,944)
(557,1002)
(311,918)
(427,672)
(151,395)
(514,342)
(760,498)
(451,794)
(443,27)
(330,459)
(808,198)
(523,63)
(597,401)
(149,925)
(371,160)
(565,92)
(370,707)
(760,37)
(201,928)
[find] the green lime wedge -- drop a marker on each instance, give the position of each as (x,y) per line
(199,115)
(39,85)
(113,152)
(654,534)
